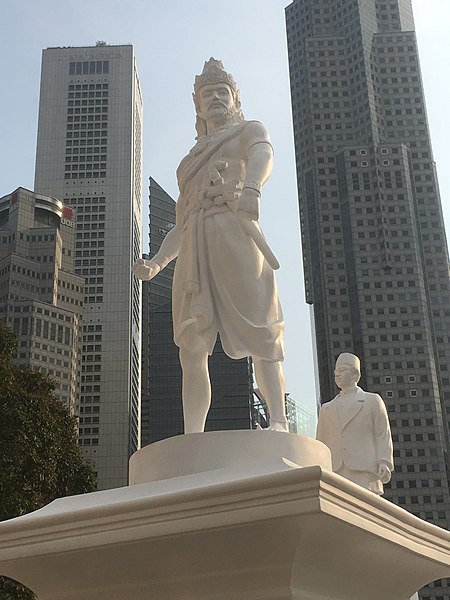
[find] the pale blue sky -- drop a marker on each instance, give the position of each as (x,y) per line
(172,39)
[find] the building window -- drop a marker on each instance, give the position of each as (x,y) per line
(93,67)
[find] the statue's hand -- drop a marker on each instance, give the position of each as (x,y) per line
(248,205)
(384,473)
(144,269)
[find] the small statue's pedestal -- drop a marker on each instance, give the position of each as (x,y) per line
(255,527)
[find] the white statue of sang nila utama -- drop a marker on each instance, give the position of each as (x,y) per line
(355,427)
(224,276)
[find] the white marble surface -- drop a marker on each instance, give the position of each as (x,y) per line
(224,277)
(355,426)
(220,456)
(296,533)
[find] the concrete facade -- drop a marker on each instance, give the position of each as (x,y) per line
(374,245)
(41,298)
(89,153)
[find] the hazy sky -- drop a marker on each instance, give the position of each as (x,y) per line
(172,39)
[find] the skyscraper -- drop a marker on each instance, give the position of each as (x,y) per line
(89,151)
(41,298)
(161,414)
(374,246)
(232,380)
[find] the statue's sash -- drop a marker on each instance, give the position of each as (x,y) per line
(197,157)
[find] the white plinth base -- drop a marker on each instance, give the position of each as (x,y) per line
(220,456)
(295,534)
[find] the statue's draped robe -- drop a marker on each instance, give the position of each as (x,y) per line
(222,282)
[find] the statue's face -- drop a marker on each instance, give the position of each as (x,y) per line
(345,375)
(215,102)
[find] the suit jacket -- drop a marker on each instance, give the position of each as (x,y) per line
(357,432)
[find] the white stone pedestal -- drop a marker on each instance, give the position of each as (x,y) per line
(238,530)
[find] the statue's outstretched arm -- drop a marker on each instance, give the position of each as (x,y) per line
(147,269)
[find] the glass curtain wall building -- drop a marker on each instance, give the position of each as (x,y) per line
(232,380)
(89,153)
(374,245)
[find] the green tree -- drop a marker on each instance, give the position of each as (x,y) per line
(40,458)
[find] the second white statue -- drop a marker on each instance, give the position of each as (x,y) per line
(224,277)
(355,427)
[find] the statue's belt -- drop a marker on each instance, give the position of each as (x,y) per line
(220,198)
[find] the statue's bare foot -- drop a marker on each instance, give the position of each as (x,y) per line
(279,426)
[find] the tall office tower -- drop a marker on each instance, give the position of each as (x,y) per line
(89,151)
(161,414)
(374,246)
(41,298)
(231,380)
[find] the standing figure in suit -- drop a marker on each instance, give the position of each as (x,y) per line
(355,427)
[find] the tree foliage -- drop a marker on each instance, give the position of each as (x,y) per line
(40,458)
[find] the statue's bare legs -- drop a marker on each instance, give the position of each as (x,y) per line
(270,379)
(196,390)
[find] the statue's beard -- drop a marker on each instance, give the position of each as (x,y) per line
(220,114)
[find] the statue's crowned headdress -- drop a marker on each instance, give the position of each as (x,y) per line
(213,72)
